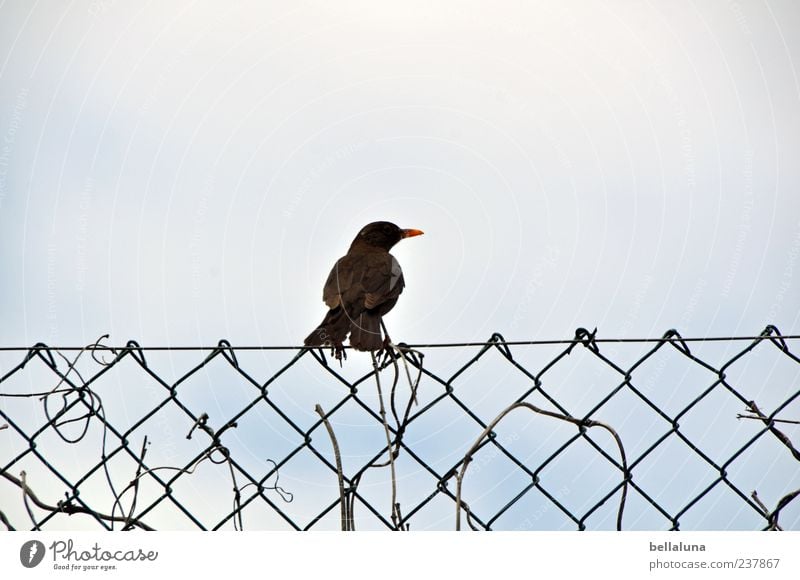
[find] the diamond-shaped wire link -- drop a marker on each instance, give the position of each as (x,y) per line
(229,443)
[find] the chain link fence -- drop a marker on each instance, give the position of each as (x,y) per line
(585,433)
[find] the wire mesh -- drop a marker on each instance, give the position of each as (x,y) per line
(584,433)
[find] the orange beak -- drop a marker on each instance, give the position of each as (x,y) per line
(412,233)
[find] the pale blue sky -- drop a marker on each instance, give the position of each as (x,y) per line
(184,171)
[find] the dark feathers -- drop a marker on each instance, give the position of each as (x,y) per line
(362,286)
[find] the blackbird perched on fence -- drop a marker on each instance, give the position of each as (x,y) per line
(363,285)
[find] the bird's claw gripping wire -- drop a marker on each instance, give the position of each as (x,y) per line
(338,352)
(385,353)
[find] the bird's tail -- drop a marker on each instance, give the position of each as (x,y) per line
(365,332)
(331,331)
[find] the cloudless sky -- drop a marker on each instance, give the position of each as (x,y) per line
(181,172)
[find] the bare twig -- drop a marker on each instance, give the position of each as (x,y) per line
(99,347)
(580,423)
(22,477)
(238,521)
(765,511)
(67,508)
(286,496)
(134,484)
(202,424)
(754,496)
(413,383)
(761,418)
(6,523)
(350,499)
(774,430)
(139,466)
(782,503)
(346,522)
(413,386)
(395,512)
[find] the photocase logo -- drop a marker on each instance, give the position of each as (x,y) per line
(31,553)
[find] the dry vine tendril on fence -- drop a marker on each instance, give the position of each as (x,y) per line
(409,405)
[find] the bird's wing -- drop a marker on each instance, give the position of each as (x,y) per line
(339,281)
(383,281)
(365,279)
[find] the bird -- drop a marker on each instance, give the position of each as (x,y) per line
(362,286)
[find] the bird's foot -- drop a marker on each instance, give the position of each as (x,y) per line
(338,352)
(386,352)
